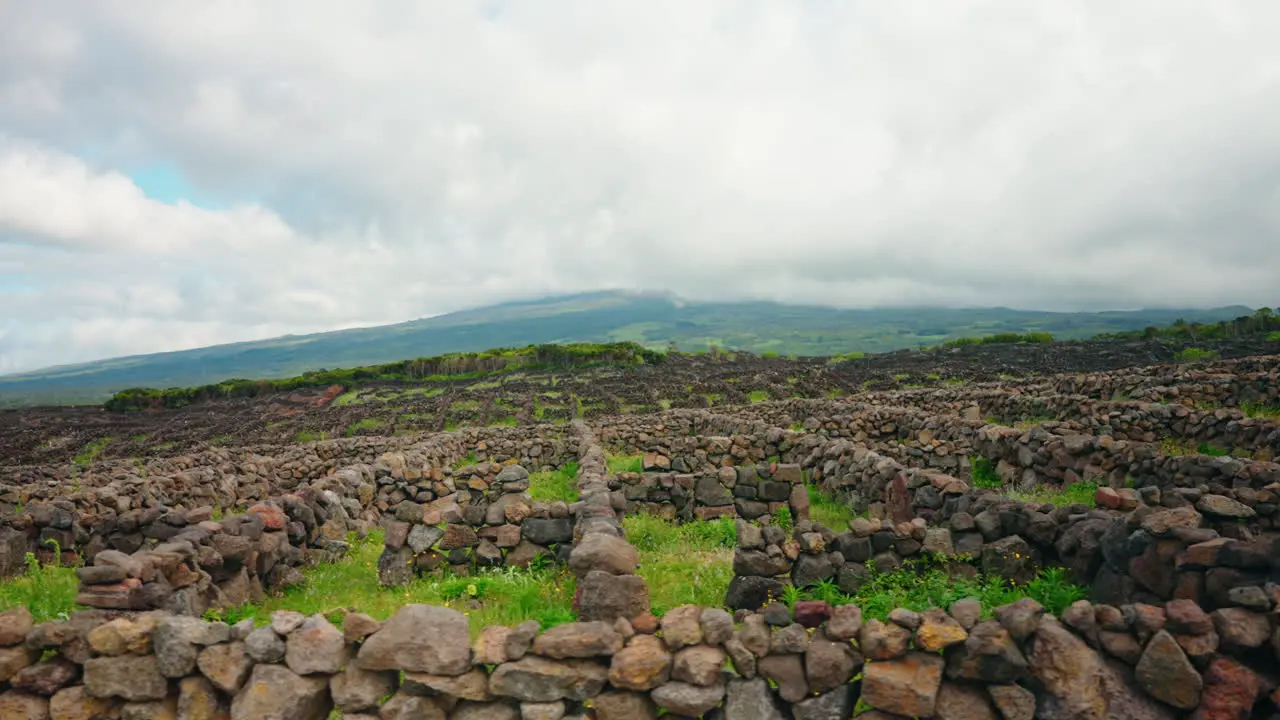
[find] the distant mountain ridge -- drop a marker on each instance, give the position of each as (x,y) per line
(649,318)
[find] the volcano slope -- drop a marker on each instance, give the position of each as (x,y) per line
(1151,486)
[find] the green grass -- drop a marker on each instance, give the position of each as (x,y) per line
(1172,446)
(363,424)
(556,485)
(683,564)
(49,592)
(756,396)
(92,451)
(506,596)
(468,459)
(1081,493)
(1258,410)
(984,473)
(625,463)
(346,398)
(712,398)
(465,405)
(920,585)
(508,421)
(1274,337)
(305,436)
(828,510)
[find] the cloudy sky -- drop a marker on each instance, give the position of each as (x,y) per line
(180,173)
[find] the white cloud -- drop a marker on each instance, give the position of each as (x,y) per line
(398,159)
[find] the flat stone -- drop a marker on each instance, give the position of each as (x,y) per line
(128,677)
(537,679)
(623,705)
(19,705)
(685,699)
(578,640)
(472,685)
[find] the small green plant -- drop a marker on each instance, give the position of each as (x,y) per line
(1258,410)
(556,485)
(983,472)
(1274,337)
(1193,354)
(91,451)
(468,459)
(756,396)
(782,518)
(306,436)
(48,591)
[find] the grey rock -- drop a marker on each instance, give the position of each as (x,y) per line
(420,638)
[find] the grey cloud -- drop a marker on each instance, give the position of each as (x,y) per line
(401,159)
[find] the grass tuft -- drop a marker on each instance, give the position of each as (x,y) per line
(625,463)
(1079,493)
(683,564)
(556,485)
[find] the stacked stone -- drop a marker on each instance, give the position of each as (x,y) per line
(810,662)
(602,558)
(767,559)
(481,516)
(747,491)
(186,562)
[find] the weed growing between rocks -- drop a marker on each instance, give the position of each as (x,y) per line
(625,463)
(48,591)
(828,510)
(984,473)
(923,585)
(1258,410)
(556,485)
(506,596)
(1079,493)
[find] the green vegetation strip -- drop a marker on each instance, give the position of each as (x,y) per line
(453,366)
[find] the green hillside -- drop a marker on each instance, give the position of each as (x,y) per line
(648,319)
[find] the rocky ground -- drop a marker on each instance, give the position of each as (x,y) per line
(82,434)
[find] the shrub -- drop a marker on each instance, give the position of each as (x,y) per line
(48,591)
(1193,354)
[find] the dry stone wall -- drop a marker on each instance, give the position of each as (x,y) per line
(1182,564)
(810,662)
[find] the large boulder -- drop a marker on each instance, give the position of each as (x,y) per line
(603,552)
(420,638)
